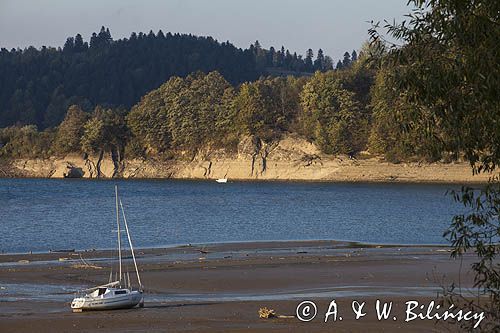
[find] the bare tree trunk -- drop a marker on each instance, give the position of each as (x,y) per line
(98,165)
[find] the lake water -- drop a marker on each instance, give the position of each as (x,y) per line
(43,214)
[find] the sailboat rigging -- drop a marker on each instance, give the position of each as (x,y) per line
(117,294)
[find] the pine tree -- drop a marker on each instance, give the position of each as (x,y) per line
(80,46)
(281,57)
(320,61)
(328,65)
(346,62)
(309,60)
(354,56)
(288,60)
(260,57)
(69,46)
(94,41)
(272,60)
(257,46)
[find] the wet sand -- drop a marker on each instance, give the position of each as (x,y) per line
(220,287)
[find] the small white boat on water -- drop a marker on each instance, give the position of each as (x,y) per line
(117,294)
(221,180)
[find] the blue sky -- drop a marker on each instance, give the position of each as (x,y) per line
(335,26)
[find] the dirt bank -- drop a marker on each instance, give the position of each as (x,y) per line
(292,158)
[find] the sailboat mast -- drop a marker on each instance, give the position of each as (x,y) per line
(119,235)
(130,243)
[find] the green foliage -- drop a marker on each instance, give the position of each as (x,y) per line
(267,107)
(38,85)
(25,142)
(393,132)
(449,68)
(184,114)
(255,110)
(105,131)
(93,135)
(447,71)
(332,109)
(331,116)
(70,131)
(479,230)
(204,110)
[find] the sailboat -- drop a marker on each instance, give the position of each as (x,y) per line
(223,179)
(117,294)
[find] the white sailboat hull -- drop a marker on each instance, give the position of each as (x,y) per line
(113,295)
(103,302)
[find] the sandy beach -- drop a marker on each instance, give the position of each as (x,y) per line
(220,287)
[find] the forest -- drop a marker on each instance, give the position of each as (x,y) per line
(110,96)
(38,85)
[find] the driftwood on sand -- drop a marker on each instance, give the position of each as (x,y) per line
(266,313)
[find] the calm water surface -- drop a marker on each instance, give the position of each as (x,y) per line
(39,215)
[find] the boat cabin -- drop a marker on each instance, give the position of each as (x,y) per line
(108,292)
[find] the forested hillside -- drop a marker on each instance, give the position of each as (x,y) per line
(125,98)
(38,85)
(333,109)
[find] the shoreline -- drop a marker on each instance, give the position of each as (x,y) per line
(221,287)
(289,159)
(341,243)
(478,182)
